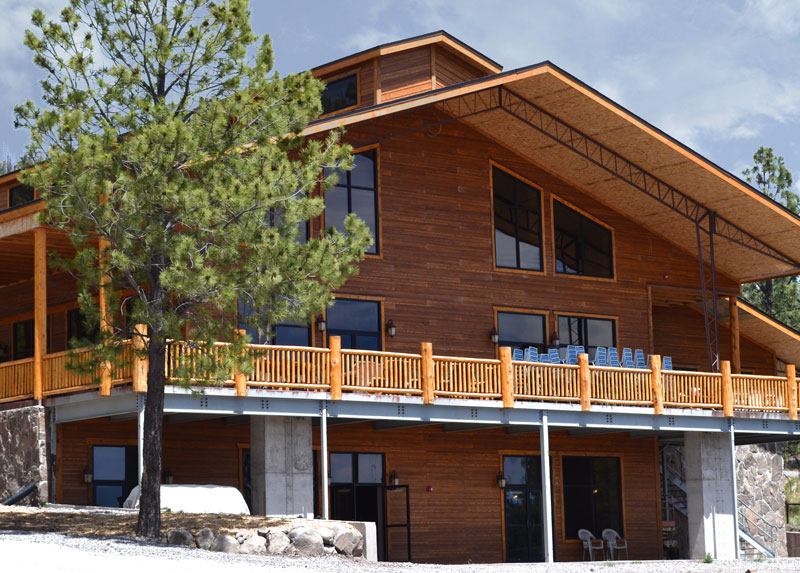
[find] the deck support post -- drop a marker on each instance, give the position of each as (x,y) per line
(585,381)
(506,377)
(323,454)
(656,384)
(105,322)
(140,360)
(791,381)
(239,379)
(39,309)
(140,402)
(727,388)
(736,356)
(335,346)
(547,502)
(428,390)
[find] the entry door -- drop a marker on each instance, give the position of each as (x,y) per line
(114,474)
(523,509)
(357,492)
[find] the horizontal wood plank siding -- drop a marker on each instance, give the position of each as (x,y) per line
(405,73)
(451,70)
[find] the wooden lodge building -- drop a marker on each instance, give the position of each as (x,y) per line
(514,209)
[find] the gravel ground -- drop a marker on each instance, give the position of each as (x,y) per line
(34,551)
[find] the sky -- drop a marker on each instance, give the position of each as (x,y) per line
(721,77)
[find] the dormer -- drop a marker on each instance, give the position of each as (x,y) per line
(400,69)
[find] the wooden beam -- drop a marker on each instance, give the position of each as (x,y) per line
(506,377)
(140,360)
(736,357)
(791,380)
(428,389)
(39,308)
(727,388)
(105,320)
(585,381)
(656,384)
(335,346)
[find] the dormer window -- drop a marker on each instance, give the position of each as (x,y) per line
(340,94)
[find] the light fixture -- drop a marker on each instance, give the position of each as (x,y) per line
(501,480)
(168,477)
(494,335)
(554,340)
(87,475)
(391,329)
(393,479)
(322,324)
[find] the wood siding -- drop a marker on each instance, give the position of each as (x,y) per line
(405,74)
(451,70)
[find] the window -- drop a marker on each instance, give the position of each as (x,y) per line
(520,330)
(287,333)
(587,332)
(23,339)
(357,322)
(356,192)
(114,474)
(78,329)
(592,494)
(20,195)
(302,226)
(517,223)
(340,94)
(582,246)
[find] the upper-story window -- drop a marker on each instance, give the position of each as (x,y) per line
(356,192)
(586,331)
(517,223)
(20,195)
(583,246)
(521,330)
(357,322)
(287,333)
(340,94)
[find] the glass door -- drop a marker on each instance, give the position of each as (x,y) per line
(523,509)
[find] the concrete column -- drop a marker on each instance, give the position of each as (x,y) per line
(710,500)
(281,465)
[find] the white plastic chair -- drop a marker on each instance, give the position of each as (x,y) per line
(614,542)
(590,544)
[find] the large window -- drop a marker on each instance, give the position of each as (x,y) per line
(517,223)
(20,195)
(357,322)
(582,246)
(356,192)
(587,332)
(23,339)
(520,330)
(340,94)
(288,333)
(79,330)
(114,474)
(592,494)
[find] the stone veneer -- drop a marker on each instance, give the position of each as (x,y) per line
(759,479)
(23,453)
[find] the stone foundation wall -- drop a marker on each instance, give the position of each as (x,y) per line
(759,482)
(23,453)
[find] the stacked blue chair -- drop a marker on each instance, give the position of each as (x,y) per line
(531,354)
(638,358)
(572,355)
(554,356)
(613,358)
(600,356)
(544,358)
(627,358)
(666,363)
(516,354)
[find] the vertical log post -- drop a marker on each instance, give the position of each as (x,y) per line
(656,384)
(39,309)
(239,379)
(727,388)
(736,355)
(791,379)
(105,323)
(506,377)
(428,390)
(585,381)
(140,363)
(335,346)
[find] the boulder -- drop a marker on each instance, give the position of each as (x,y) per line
(264,532)
(254,545)
(349,542)
(277,542)
(243,536)
(308,543)
(329,550)
(327,535)
(180,537)
(299,530)
(205,538)
(225,544)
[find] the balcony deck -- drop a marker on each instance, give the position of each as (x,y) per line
(334,371)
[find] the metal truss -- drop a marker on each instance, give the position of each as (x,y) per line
(708,284)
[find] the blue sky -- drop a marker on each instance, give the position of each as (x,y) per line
(722,77)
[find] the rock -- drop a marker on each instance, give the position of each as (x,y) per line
(327,535)
(349,543)
(308,543)
(329,550)
(277,542)
(180,537)
(254,545)
(243,536)
(225,544)
(205,538)
(299,530)
(264,532)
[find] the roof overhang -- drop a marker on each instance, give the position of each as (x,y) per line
(767,331)
(581,107)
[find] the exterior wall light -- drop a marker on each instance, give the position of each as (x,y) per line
(501,480)
(494,335)
(393,479)
(391,329)
(554,340)
(168,477)
(322,324)
(87,475)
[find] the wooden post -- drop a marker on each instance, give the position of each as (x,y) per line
(140,364)
(656,384)
(105,323)
(736,356)
(335,345)
(506,377)
(39,309)
(727,388)
(428,390)
(791,379)
(585,379)
(239,379)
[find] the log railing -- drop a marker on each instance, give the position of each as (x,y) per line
(431,377)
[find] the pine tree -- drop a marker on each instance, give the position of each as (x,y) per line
(779,297)
(172,162)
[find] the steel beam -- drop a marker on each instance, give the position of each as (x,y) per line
(323,408)
(708,285)
(547,502)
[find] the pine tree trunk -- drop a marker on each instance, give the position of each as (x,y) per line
(149,524)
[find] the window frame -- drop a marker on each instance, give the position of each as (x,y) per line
(360,298)
(563,343)
(583,213)
(542,232)
(378,237)
(340,76)
(526,311)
